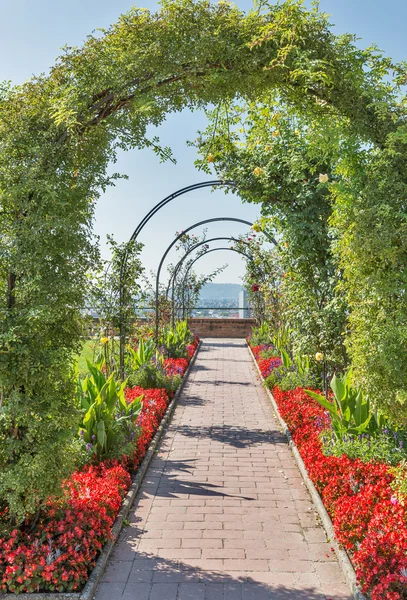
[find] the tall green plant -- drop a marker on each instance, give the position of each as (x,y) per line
(350,410)
(114,286)
(107,414)
(261,334)
(143,355)
(174,340)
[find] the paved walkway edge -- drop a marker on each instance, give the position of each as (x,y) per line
(342,556)
(95,576)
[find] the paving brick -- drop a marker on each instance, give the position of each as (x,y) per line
(202,543)
(140,576)
(214,591)
(337,592)
(117,571)
(246,565)
(107,591)
(150,545)
(141,591)
(223,513)
(163,591)
(329,572)
(191,591)
(255,591)
(176,576)
(229,553)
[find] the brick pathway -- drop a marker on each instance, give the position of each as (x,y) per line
(223,513)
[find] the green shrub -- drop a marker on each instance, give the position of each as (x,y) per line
(145,367)
(387,446)
(288,378)
(268,353)
(152,376)
(32,429)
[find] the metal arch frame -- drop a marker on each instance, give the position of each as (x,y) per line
(209,251)
(179,264)
(134,236)
(197,245)
(164,256)
(171,197)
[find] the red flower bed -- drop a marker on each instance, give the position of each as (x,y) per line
(192,347)
(68,539)
(358,497)
(155,404)
(62,551)
(257,350)
(267,365)
(175,366)
(191,350)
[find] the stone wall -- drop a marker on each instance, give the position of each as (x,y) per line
(222,328)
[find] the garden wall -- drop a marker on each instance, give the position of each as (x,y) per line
(222,328)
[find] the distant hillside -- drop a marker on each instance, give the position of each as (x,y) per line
(214,291)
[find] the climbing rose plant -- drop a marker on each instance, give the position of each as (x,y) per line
(58,134)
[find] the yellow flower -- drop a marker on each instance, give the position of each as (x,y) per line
(319,356)
(275,133)
(267,148)
(104,340)
(285,244)
(210,158)
(256,227)
(257,171)
(323,178)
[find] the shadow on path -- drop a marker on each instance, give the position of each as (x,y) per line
(222,382)
(165,480)
(237,437)
(207,344)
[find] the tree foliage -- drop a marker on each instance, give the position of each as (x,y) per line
(286,164)
(59,132)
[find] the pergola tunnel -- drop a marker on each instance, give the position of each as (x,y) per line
(310,129)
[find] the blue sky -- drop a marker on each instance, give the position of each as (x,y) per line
(32,33)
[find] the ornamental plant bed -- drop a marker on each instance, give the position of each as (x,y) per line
(368,520)
(57,559)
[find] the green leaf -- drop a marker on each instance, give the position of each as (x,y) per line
(101,433)
(338,388)
(322,401)
(287,362)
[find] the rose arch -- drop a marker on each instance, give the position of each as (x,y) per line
(59,132)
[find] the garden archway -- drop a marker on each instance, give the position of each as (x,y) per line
(164,256)
(133,238)
(59,133)
(202,243)
(247,255)
(173,277)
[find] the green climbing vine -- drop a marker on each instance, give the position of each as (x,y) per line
(59,132)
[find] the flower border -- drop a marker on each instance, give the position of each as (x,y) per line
(341,554)
(89,590)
